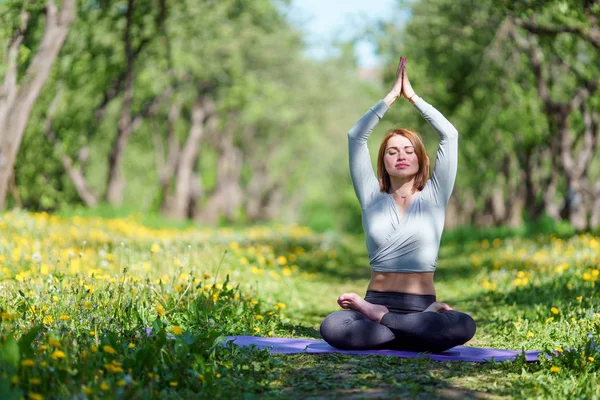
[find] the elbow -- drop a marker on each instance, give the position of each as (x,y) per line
(452,133)
(449,131)
(353,134)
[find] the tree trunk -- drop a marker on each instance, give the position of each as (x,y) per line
(515,209)
(531,205)
(595,217)
(226,198)
(166,169)
(116,183)
(575,166)
(186,180)
(75,173)
(16,103)
(551,208)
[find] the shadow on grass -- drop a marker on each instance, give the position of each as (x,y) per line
(297,331)
(353,377)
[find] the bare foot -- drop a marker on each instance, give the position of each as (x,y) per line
(438,307)
(354,302)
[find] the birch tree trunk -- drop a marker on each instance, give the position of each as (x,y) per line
(16,102)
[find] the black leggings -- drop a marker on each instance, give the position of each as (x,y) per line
(404,327)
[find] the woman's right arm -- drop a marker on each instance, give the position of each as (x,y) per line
(364,180)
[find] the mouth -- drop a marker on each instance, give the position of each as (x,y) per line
(401,165)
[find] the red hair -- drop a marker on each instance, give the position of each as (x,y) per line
(422,174)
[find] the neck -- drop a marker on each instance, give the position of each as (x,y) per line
(401,187)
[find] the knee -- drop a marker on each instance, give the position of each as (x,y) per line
(465,326)
(336,327)
(470,327)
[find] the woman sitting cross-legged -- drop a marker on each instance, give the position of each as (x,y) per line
(403,212)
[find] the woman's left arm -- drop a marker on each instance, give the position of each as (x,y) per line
(441,183)
(439,187)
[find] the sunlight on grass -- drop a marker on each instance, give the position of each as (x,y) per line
(108,307)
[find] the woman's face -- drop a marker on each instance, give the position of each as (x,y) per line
(400,159)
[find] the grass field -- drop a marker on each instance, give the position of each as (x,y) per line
(109,308)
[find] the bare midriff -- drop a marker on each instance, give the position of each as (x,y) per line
(405,282)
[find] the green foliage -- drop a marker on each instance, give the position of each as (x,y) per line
(245,55)
(463,60)
(150,309)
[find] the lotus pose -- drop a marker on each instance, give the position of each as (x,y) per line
(403,212)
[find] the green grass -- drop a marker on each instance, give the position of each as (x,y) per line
(116,308)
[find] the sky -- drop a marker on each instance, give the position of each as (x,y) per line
(324,20)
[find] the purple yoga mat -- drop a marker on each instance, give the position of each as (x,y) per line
(311,346)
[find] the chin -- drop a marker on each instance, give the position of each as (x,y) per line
(403,174)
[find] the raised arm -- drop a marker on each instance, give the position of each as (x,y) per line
(364,180)
(439,187)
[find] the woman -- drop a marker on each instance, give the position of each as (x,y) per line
(403,212)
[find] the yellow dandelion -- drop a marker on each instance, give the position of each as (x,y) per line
(108,349)
(554,310)
(132,345)
(559,349)
(35,396)
(28,363)
(177,330)
(35,381)
(48,320)
(87,390)
(529,334)
(579,298)
(259,317)
(54,343)
(64,317)
(160,310)
(121,382)
(58,354)
(591,359)
(104,386)
(173,384)
(155,248)
(554,368)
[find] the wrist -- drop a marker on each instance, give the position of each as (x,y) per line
(390,98)
(413,98)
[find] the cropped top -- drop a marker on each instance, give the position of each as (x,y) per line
(407,243)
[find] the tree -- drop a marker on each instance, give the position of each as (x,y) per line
(17,100)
